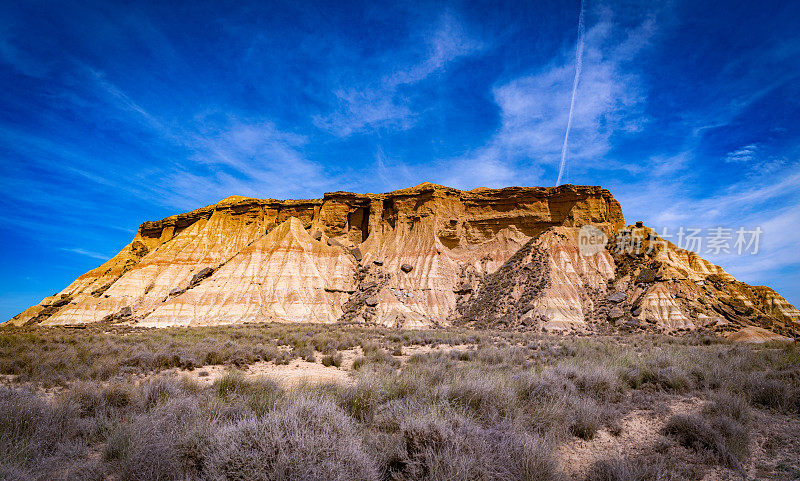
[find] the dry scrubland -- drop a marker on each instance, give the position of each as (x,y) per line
(108,403)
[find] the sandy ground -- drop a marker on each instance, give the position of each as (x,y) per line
(288,375)
(300,371)
(776,450)
(639,434)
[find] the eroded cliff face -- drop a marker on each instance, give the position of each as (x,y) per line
(656,287)
(418,257)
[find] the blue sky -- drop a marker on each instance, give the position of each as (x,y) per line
(112,114)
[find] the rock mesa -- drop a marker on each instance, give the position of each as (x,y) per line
(419,257)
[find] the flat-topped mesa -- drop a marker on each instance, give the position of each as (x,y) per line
(416,257)
(482,211)
(443,233)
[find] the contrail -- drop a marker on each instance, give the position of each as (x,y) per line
(578,67)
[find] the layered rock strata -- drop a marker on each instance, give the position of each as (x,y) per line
(418,257)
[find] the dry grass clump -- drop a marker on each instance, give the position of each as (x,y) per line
(773,390)
(714,432)
(333,359)
(424,444)
(306,439)
(39,440)
(376,358)
(656,467)
(167,442)
(586,418)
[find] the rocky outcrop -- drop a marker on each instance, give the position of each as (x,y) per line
(655,287)
(418,257)
(547,284)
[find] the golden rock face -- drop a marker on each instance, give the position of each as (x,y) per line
(422,256)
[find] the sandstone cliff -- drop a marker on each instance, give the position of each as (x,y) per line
(423,256)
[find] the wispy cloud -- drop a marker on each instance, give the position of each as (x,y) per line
(94,255)
(252,158)
(11,56)
(381,103)
(760,202)
(535,111)
(220,154)
(745,154)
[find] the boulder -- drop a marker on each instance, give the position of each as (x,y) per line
(646,276)
(63,301)
(617,297)
(201,274)
(371,301)
(406,268)
(356,252)
(615,313)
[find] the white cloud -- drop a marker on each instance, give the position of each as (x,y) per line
(534,110)
(377,104)
(484,170)
(758,202)
(94,255)
(244,158)
(746,154)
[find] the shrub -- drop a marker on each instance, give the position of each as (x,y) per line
(483,396)
(307,439)
(359,362)
(161,389)
(452,448)
(668,378)
(674,379)
(231,382)
(168,443)
(334,359)
(34,433)
(304,352)
(638,375)
(723,403)
(377,358)
(722,436)
(586,418)
(600,383)
(369,346)
(93,398)
(361,399)
(772,393)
